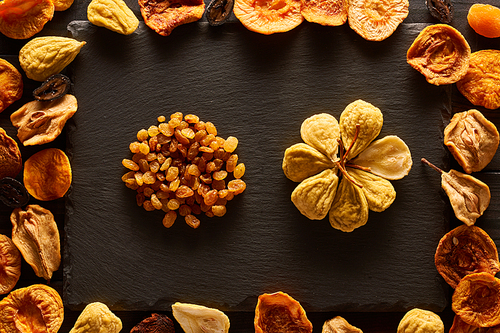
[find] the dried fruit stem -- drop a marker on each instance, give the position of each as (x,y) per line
(431,165)
(342,163)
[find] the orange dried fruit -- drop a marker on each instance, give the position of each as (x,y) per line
(481,83)
(268,16)
(279,312)
(47,174)
(11,82)
(61,5)
(440,53)
(477,300)
(485,20)
(10,264)
(21,19)
(376,20)
(325,12)
(459,326)
(164,15)
(11,161)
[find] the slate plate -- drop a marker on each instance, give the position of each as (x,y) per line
(259,89)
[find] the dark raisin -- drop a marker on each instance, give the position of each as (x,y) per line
(13,193)
(53,88)
(441,10)
(219,11)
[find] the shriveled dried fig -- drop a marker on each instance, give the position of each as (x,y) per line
(10,264)
(339,325)
(420,321)
(350,207)
(321,131)
(97,318)
(156,323)
(200,319)
(379,192)
(114,15)
(302,161)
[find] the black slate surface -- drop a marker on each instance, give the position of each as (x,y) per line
(259,89)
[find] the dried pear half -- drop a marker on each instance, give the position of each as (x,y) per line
(388,157)
(321,131)
(339,325)
(302,161)
(350,207)
(200,319)
(379,192)
(314,196)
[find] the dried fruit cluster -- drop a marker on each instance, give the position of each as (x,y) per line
(183,166)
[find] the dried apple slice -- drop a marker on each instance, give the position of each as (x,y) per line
(325,12)
(200,319)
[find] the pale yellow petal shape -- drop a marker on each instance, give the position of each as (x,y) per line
(350,208)
(302,161)
(379,192)
(200,319)
(321,131)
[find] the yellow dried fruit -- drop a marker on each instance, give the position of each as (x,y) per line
(11,161)
(302,161)
(10,264)
(350,207)
(114,15)
(339,325)
(22,19)
(97,318)
(379,192)
(11,82)
(321,131)
(420,321)
(42,57)
(325,12)
(200,319)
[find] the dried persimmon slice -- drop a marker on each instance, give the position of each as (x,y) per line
(325,12)
(268,16)
(21,19)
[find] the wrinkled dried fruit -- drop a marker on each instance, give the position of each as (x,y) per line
(13,193)
(481,83)
(156,323)
(200,319)
(350,207)
(21,19)
(114,15)
(11,161)
(62,5)
(302,161)
(219,11)
(460,326)
(420,321)
(35,233)
(269,16)
(47,174)
(53,88)
(440,53)
(376,20)
(485,20)
(163,16)
(325,12)
(10,264)
(37,308)
(11,82)
(465,250)
(97,318)
(441,10)
(39,122)
(42,57)
(279,312)
(339,325)
(477,300)
(471,139)
(379,192)
(321,131)
(469,197)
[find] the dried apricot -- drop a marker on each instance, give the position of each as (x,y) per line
(269,16)
(325,12)
(21,19)
(11,161)
(460,326)
(481,83)
(376,20)
(485,20)
(11,82)
(440,53)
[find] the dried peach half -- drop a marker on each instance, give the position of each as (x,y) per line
(164,15)
(279,312)
(11,82)
(376,20)
(485,20)
(481,83)
(47,174)
(11,161)
(268,16)
(325,12)
(21,19)
(10,264)
(459,326)
(440,53)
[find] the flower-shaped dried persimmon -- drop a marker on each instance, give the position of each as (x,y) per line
(11,82)
(481,83)
(376,20)
(21,19)
(440,53)
(279,312)
(325,12)
(47,174)
(465,250)
(268,16)
(485,20)
(477,300)
(163,16)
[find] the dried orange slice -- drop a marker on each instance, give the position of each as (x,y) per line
(268,16)
(485,20)
(163,16)
(376,20)
(325,12)
(279,312)
(21,19)
(11,82)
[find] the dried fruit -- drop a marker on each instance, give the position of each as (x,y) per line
(39,122)
(325,12)
(321,131)
(481,83)
(339,325)
(476,300)
(279,312)
(10,264)
(469,197)
(485,20)
(460,326)
(42,57)
(376,20)
(163,16)
(269,17)
(114,15)
(53,88)
(156,323)
(35,233)
(350,207)
(379,192)
(440,53)
(37,308)
(11,82)
(420,321)
(97,318)
(62,5)
(47,174)
(465,250)
(200,319)
(12,193)
(21,19)
(471,139)
(219,11)
(11,161)
(441,10)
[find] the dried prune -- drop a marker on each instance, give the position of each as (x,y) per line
(441,10)
(219,11)
(156,323)
(13,193)
(53,88)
